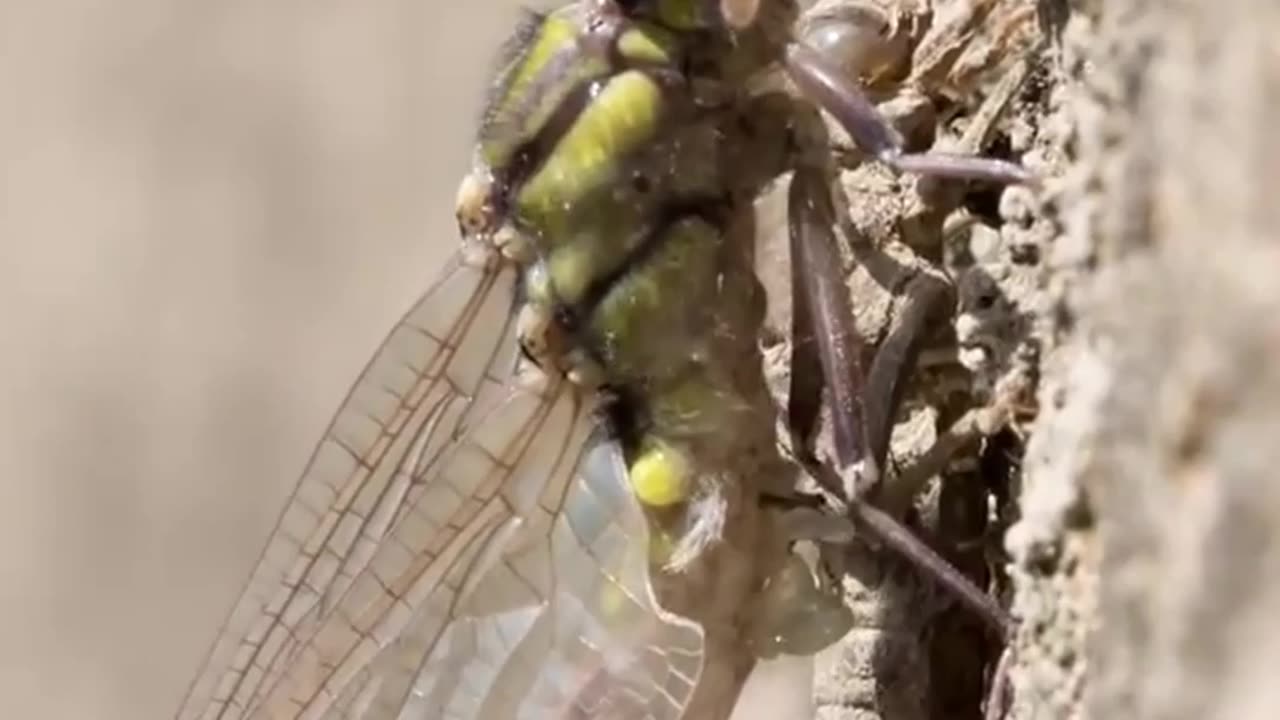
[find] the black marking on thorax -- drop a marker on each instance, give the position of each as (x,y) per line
(599,41)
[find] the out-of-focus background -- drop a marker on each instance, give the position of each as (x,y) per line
(210,213)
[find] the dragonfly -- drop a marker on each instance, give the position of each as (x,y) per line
(554,491)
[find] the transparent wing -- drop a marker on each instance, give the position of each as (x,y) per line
(411,401)
(540,609)
(459,547)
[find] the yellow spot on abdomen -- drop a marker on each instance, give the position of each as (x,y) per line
(660,477)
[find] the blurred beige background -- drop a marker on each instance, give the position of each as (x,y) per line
(210,213)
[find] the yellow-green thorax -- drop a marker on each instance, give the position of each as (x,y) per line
(599,150)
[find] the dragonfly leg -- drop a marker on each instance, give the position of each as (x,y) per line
(824,82)
(862,402)
(973,425)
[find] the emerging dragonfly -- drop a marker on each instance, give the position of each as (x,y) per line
(546,495)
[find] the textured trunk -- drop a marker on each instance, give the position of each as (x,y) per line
(1147,562)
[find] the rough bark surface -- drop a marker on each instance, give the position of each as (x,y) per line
(1147,559)
(1137,288)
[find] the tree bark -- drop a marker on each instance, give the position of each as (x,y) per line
(1147,559)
